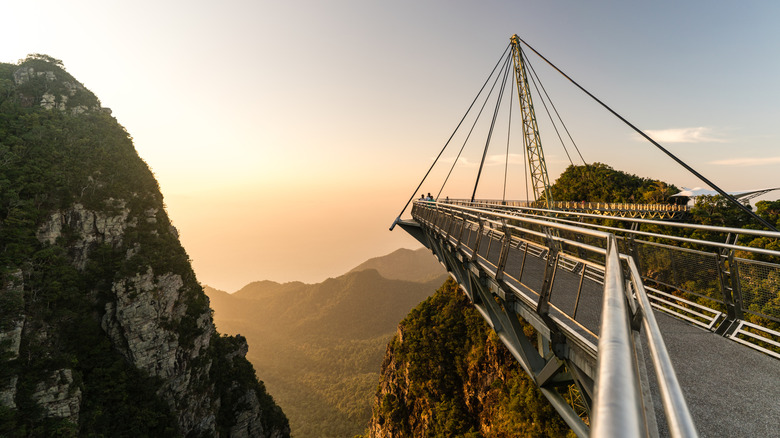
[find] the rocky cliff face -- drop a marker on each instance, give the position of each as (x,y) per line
(104,328)
(446,373)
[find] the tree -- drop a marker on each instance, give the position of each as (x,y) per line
(43,57)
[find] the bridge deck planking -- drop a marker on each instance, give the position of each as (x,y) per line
(731,390)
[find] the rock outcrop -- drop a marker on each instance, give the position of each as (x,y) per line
(59,396)
(104,329)
(11,327)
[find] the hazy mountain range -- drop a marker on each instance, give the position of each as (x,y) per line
(319,347)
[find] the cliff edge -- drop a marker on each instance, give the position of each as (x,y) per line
(446,373)
(104,329)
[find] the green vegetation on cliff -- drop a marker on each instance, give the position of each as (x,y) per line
(598,182)
(81,222)
(447,374)
(49,160)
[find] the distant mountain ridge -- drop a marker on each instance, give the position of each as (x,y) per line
(319,347)
(405,264)
(259,289)
(366,298)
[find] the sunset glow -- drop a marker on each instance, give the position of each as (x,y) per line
(287,136)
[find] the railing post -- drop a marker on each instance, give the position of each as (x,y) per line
(543,306)
(481,228)
(632,247)
(504,252)
(462,226)
(729,286)
(449,222)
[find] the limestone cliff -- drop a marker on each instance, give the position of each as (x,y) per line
(446,373)
(104,329)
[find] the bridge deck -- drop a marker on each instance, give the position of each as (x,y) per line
(558,274)
(731,390)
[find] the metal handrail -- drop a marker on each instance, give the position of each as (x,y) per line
(618,404)
(617,407)
(480,213)
(678,416)
(722,230)
(725,230)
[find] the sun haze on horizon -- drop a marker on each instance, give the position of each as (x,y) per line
(287,136)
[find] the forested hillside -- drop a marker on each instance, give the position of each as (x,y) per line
(319,347)
(104,329)
(446,373)
(599,182)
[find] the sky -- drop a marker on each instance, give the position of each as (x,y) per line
(288,135)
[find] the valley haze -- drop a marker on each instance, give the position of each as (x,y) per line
(319,347)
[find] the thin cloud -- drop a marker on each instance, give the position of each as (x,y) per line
(698,134)
(746,162)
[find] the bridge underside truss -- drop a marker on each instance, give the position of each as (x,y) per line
(500,307)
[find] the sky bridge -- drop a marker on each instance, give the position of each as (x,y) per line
(645,325)
(653,330)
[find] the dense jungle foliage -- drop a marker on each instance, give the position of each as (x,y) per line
(51,159)
(598,182)
(441,361)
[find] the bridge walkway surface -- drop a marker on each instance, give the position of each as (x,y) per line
(562,278)
(731,390)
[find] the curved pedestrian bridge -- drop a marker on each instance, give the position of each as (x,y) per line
(643,327)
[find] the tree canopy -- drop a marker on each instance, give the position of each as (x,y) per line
(599,182)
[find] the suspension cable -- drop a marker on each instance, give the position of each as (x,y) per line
(473,125)
(448,140)
(656,144)
(505,72)
(508,136)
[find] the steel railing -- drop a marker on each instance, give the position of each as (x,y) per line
(660,211)
(539,260)
(729,279)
